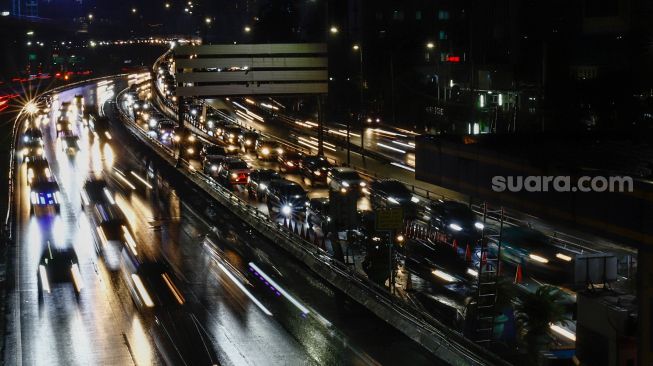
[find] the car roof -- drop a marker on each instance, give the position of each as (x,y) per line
(344,169)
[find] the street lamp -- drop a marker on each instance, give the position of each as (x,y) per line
(334,29)
(247,29)
(90,17)
(207,20)
(134,10)
(430,45)
(359,49)
(167,5)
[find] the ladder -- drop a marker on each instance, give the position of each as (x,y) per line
(488,276)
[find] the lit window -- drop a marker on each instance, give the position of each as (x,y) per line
(443,15)
(443,35)
(418,15)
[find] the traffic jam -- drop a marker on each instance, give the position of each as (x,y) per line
(77,140)
(440,250)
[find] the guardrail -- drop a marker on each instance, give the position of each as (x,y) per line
(428,331)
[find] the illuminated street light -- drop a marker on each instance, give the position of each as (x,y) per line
(430,45)
(334,29)
(247,29)
(207,20)
(30,33)
(167,5)
(90,16)
(134,10)
(356,47)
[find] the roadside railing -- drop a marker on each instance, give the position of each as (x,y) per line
(452,341)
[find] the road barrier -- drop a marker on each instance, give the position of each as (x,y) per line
(450,346)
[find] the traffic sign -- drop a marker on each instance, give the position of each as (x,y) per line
(389,219)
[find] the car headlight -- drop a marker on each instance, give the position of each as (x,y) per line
(279,151)
(286,210)
(263,186)
(231,148)
(393,200)
(538,258)
(317,172)
(455,227)
(266,151)
(214,168)
(290,164)
(39,151)
(363,184)
(345,184)
(190,150)
(479,225)
(234,175)
(414,199)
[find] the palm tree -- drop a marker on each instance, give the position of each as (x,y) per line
(535,313)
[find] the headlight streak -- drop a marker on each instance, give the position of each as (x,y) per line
(145,296)
(243,289)
(45,284)
(278,288)
(77,277)
(142,180)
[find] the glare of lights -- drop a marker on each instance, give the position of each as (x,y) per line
(356,47)
(31,107)
(167,5)
(44,278)
(443,275)
(479,225)
(145,296)
(142,180)
(90,16)
(134,10)
(207,20)
(283,292)
(538,258)
(30,33)
(472,272)
(5,13)
(563,332)
(564,257)
(400,238)
(333,30)
(430,45)
(248,29)
(77,277)
(243,289)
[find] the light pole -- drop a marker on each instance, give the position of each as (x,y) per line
(361,120)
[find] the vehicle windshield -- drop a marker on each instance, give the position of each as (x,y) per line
(238,165)
(268,175)
(349,176)
(395,187)
(293,190)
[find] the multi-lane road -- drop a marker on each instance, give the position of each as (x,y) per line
(213,255)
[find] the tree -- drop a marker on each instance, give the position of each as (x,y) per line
(535,313)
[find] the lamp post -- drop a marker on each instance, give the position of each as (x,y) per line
(361,119)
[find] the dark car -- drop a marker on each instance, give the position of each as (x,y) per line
(232,134)
(315,168)
(290,161)
(38,170)
(213,151)
(455,219)
(45,198)
(32,150)
(317,213)
(248,141)
(346,180)
(390,193)
(233,171)
(211,165)
(32,134)
(70,144)
(268,150)
(58,265)
(259,180)
(191,150)
(286,198)
(166,130)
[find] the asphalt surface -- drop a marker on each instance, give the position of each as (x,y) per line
(212,254)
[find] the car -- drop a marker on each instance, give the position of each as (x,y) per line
(45,198)
(248,141)
(268,150)
(32,134)
(64,126)
(166,129)
(317,213)
(151,284)
(456,220)
(315,168)
(38,170)
(290,161)
(111,228)
(232,134)
(390,193)
(32,150)
(191,150)
(70,144)
(233,171)
(58,265)
(346,180)
(536,253)
(210,150)
(211,165)
(259,179)
(286,198)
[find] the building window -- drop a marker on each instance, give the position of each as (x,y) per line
(418,15)
(443,35)
(398,15)
(443,15)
